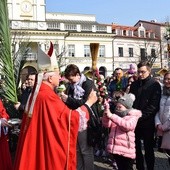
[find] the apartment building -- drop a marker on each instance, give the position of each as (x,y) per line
(162,32)
(71,34)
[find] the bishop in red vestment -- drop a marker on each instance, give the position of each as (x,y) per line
(49,132)
(5,157)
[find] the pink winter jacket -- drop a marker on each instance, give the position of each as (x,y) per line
(122,137)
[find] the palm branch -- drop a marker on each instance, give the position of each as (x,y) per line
(6,62)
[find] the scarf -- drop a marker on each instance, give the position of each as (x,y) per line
(119,85)
(166,91)
(122,113)
(78,90)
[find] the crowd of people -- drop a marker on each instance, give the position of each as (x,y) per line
(116,117)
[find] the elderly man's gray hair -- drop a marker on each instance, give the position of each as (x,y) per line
(47,74)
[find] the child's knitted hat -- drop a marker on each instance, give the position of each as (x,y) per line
(127,100)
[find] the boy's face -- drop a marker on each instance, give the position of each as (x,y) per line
(143,72)
(120,107)
(74,79)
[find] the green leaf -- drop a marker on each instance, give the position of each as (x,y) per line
(6,62)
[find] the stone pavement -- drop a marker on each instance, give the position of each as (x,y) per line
(161,163)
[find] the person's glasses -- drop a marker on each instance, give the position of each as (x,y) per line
(166,79)
(142,72)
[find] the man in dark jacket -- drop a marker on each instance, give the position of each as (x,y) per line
(148,93)
(20,106)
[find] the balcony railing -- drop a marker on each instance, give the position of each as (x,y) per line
(53,25)
(30,57)
(87,60)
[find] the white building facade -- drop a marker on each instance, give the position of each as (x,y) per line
(71,35)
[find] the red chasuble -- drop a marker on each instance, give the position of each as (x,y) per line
(5,157)
(44,140)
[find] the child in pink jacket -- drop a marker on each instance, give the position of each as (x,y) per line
(122,123)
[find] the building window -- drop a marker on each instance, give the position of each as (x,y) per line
(142,54)
(124,32)
(56,48)
(130,52)
(102,51)
(114,31)
(152,35)
(120,51)
(86,27)
(53,25)
(70,27)
(119,32)
(101,28)
(71,50)
(86,51)
(165,56)
(153,53)
(142,34)
(130,33)
(46,46)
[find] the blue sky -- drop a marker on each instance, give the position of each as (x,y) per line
(124,12)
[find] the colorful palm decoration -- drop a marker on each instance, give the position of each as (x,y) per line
(6,62)
(98,79)
(94,48)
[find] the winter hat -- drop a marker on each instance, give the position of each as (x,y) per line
(132,68)
(127,100)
